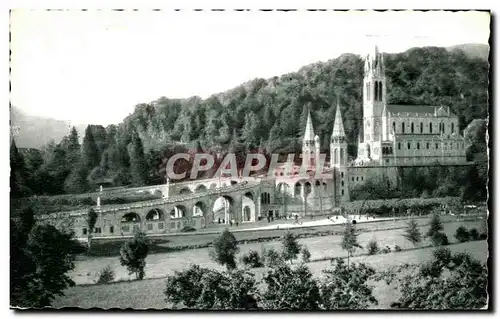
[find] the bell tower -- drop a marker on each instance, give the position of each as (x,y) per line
(374,95)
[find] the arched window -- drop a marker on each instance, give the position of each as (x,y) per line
(342,192)
(376,90)
(380,93)
(437,145)
(430,128)
(403,127)
(399,145)
(335,157)
(394,127)
(342,174)
(427,145)
(341,156)
(342,183)
(418,146)
(421,127)
(452,128)
(412,128)
(408,145)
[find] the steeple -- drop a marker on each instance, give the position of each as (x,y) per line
(309,132)
(338,125)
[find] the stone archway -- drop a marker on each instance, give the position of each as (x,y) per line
(223,210)
(129,223)
(200,189)
(249,207)
(185,191)
(155,220)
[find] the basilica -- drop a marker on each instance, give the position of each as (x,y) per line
(393,136)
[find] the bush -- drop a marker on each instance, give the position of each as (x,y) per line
(397,248)
(473,234)
(462,234)
(188,229)
(252,259)
(439,239)
(291,247)
(386,250)
(106,275)
(133,255)
(225,248)
(306,255)
(372,247)
(271,258)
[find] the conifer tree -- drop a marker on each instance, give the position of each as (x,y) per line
(412,233)
(90,154)
(138,169)
(350,240)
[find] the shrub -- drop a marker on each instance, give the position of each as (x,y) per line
(397,248)
(291,289)
(462,234)
(188,229)
(106,275)
(372,247)
(306,255)
(224,249)
(271,258)
(439,239)
(473,234)
(386,250)
(345,287)
(133,255)
(291,247)
(252,259)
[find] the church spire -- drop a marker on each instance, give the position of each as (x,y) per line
(338,125)
(309,132)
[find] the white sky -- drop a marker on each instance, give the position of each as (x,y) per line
(95,66)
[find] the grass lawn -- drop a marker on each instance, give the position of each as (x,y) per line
(149,293)
(163,264)
(111,247)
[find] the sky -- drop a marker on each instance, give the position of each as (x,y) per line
(95,66)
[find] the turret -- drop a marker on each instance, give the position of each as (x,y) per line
(338,144)
(308,144)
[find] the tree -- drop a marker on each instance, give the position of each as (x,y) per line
(350,240)
(40,258)
(201,288)
(412,232)
(76,182)
(290,289)
(225,248)
(306,255)
(291,247)
(345,287)
(138,169)
(17,172)
(435,225)
(73,148)
(462,234)
(448,282)
(133,255)
(90,153)
(91,221)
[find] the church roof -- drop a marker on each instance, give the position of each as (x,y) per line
(309,132)
(397,108)
(338,125)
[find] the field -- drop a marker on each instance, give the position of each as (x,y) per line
(170,243)
(149,293)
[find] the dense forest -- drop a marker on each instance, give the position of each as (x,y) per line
(262,114)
